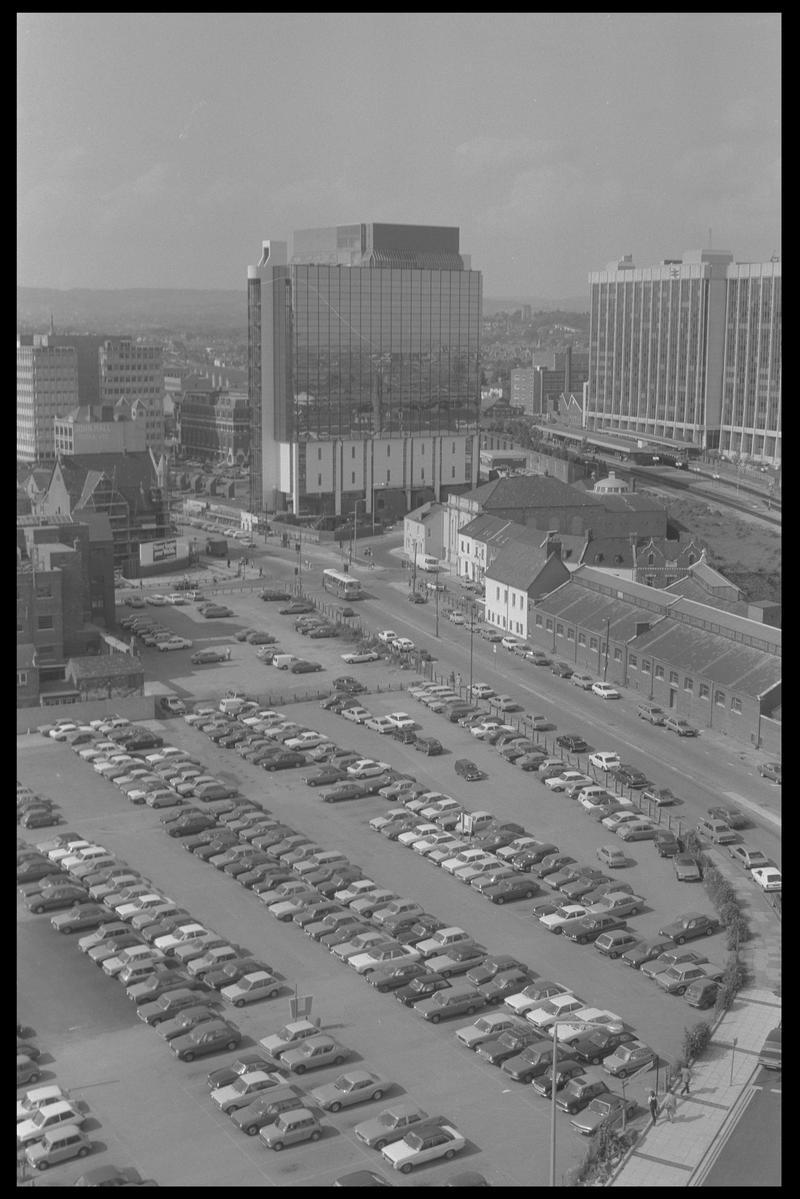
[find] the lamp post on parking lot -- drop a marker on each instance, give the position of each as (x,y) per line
(471,612)
(584,1024)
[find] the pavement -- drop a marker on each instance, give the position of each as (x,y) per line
(682,1153)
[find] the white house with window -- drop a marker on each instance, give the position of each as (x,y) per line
(519,575)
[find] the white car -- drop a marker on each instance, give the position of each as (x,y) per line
(158,601)
(466,874)
(570,778)
(507,852)
(308,740)
(467,857)
(605,691)
(447,849)
(767,877)
(589,1015)
(434,810)
(554,1009)
(617,819)
(181,936)
(251,987)
(402,720)
(417,833)
(595,799)
(380,724)
(569,911)
(377,957)
(456,618)
(365,655)
(174,643)
(429,1142)
(38,1098)
(403,643)
(357,715)
(510,642)
(487,726)
(482,691)
(605,759)
(367,768)
(393,816)
(361,886)
(387,636)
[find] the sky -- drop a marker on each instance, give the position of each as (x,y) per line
(161,149)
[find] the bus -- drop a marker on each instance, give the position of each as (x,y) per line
(345,586)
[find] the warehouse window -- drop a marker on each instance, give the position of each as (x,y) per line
(659,672)
(688,684)
(633,661)
(736,705)
(719,699)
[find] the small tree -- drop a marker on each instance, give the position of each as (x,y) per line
(696,1040)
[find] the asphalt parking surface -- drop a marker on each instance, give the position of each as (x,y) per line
(147,1103)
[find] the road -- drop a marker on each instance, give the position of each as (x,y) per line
(751,1155)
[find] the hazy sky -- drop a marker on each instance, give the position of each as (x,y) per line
(159,150)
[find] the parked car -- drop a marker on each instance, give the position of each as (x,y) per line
(686,868)
(425,1142)
(356,1086)
(675,724)
(689,926)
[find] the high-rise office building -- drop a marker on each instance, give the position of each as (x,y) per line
(363,370)
(688,350)
(47,386)
(537,388)
(751,387)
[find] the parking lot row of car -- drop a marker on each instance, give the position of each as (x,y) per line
(175,1006)
(34,810)
(364,959)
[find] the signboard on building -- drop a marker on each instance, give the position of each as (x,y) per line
(159,553)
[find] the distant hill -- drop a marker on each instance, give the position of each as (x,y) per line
(125,310)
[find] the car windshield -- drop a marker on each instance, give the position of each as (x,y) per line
(600,1105)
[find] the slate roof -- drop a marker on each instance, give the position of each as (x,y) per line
(596,611)
(689,587)
(100,666)
(530,491)
(517,565)
(498,530)
(726,663)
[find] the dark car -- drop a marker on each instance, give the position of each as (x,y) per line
(391,978)
(579,1093)
(188,826)
(594,1046)
(689,926)
(590,927)
(428,745)
(509,889)
(491,967)
(349,684)
(422,987)
(303,666)
(509,982)
(270,594)
(630,776)
(245,1063)
(646,951)
(206,1038)
(666,843)
(285,760)
(572,742)
(732,817)
(562,670)
(508,1044)
(52,898)
(468,770)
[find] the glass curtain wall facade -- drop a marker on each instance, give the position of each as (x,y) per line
(384,352)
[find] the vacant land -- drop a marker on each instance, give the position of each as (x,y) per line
(744,549)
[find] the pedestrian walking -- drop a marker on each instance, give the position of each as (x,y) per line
(652,1103)
(670,1103)
(686,1078)
(261,572)
(228,563)
(228,654)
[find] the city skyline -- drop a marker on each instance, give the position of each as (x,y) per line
(155,149)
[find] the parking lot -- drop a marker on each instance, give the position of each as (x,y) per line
(132,1082)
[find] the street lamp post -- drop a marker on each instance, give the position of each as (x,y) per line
(471,610)
(555,1027)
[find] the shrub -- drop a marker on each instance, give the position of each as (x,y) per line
(696,1040)
(738,932)
(729,913)
(692,843)
(733,980)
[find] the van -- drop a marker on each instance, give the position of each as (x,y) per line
(58,1146)
(701,992)
(284,661)
(427,562)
